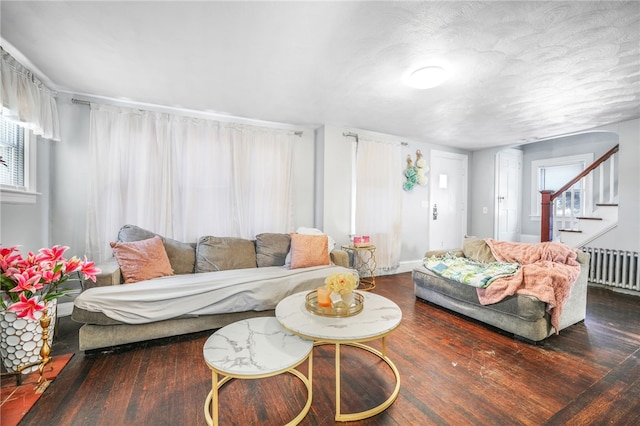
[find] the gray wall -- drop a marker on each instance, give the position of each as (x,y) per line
(482,192)
(59,216)
(28,225)
(321,187)
(334,191)
(70,174)
(626,236)
(596,143)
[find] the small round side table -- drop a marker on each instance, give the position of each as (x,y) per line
(255,348)
(364,261)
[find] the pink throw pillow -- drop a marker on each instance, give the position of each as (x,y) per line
(142,260)
(309,250)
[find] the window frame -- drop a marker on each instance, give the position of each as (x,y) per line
(27,194)
(537,165)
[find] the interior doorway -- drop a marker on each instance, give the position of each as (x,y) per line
(448,212)
(507,225)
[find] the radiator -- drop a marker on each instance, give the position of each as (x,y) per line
(616,268)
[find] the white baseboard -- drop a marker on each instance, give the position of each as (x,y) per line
(405,266)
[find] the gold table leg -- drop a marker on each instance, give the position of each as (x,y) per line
(211,409)
(375,410)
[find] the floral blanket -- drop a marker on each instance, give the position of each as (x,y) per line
(470,272)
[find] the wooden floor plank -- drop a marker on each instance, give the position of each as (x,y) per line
(454,371)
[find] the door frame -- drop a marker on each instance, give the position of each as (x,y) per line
(464,195)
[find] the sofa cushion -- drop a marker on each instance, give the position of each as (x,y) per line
(309,250)
(272,249)
(142,260)
(478,250)
(182,256)
(525,307)
(223,253)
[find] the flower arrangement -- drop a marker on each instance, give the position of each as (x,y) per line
(27,284)
(341,283)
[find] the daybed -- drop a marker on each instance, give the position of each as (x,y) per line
(548,271)
(208,285)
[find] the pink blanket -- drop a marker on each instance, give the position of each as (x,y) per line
(548,272)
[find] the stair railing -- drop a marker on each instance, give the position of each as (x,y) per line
(563,199)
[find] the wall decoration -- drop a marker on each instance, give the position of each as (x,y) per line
(411,173)
(423,169)
(415,175)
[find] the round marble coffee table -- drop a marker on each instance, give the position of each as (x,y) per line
(379,317)
(252,349)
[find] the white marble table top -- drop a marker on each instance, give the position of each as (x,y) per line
(379,316)
(255,346)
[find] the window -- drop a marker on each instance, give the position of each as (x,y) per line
(17,177)
(553,174)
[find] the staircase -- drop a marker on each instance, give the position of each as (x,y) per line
(588,228)
(577,214)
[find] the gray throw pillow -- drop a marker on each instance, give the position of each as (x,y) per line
(223,253)
(182,256)
(272,249)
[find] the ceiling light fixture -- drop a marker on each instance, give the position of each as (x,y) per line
(427,77)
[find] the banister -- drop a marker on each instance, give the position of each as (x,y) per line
(546,217)
(546,212)
(586,171)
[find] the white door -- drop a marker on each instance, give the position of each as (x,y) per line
(508,198)
(448,213)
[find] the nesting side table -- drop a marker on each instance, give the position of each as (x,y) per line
(378,318)
(252,349)
(364,261)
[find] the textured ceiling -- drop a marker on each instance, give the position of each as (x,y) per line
(519,70)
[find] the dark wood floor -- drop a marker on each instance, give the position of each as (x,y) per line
(454,371)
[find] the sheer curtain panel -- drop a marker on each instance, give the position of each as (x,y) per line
(262,180)
(185,177)
(379,198)
(26,100)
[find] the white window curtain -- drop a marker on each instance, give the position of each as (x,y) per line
(185,178)
(379,198)
(26,100)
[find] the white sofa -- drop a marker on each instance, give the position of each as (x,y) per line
(217,281)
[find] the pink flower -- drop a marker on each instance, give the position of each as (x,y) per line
(7,257)
(27,281)
(49,276)
(54,254)
(38,277)
(26,307)
(72,265)
(88,270)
